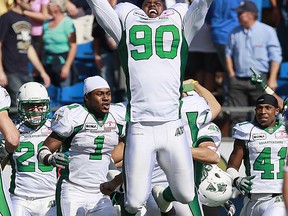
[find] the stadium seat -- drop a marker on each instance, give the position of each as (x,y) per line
(282,89)
(283,73)
(71,94)
(84,61)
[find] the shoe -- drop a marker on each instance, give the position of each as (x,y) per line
(157,193)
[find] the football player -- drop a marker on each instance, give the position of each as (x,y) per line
(33,185)
(262,144)
(153,46)
(87,134)
(11,141)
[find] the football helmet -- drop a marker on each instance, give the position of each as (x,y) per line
(32,96)
(215,187)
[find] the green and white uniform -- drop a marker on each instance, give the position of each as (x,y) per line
(32,184)
(88,142)
(196,117)
(265,157)
(153,54)
(6,208)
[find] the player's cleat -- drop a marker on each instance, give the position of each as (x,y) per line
(157,192)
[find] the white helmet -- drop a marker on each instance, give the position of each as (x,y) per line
(215,187)
(33,93)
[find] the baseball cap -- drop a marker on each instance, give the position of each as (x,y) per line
(267,99)
(94,82)
(247,6)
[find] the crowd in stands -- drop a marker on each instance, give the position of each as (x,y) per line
(50,34)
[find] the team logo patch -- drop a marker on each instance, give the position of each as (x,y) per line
(91,126)
(109,125)
(57,117)
(179,131)
(167,13)
(221,187)
(281,135)
(259,136)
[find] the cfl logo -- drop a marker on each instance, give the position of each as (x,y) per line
(179,131)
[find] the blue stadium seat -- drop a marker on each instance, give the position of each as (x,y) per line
(84,61)
(71,94)
(282,89)
(85,51)
(283,73)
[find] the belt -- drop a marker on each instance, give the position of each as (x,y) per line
(272,195)
(243,78)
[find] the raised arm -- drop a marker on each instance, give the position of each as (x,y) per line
(106,17)
(194,18)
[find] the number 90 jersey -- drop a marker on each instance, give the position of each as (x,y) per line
(153,53)
(88,142)
(265,155)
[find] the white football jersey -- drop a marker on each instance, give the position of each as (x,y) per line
(194,113)
(5,100)
(88,143)
(265,156)
(29,177)
(153,53)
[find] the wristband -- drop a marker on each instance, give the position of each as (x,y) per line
(43,155)
(268,90)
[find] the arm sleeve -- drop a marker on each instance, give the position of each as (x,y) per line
(195,17)
(274,48)
(66,119)
(5,100)
(106,17)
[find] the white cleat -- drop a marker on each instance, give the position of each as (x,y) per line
(157,192)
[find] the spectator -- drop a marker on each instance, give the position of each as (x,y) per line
(262,145)
(37,10)
(203,61)
(249,47)
(222,19)
(5,5)
(82,17)
(16,51)
(32,183)
(280,14)
(59,45)
(105,56)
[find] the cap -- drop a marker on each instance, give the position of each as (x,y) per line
(61,3)
(247,6)
(267,99)
(95,82)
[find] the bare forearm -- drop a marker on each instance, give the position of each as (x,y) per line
(205,155)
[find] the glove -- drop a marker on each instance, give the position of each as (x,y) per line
(257,80)
(59,160)
(3,152)
(243,184)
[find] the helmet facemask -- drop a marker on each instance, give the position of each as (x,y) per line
(34,112)
(33,104)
